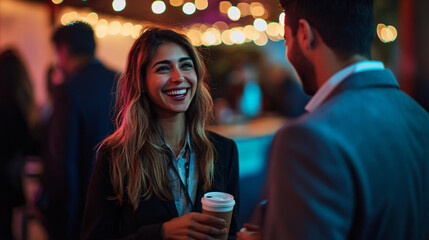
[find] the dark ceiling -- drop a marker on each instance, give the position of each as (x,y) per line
(140,10)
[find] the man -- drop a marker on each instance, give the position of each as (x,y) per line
(81,119)
(356,165)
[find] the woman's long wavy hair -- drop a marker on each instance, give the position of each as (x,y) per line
(138,167)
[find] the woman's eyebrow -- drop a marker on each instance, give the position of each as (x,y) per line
(168,61)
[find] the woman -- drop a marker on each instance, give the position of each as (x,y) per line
(153,170)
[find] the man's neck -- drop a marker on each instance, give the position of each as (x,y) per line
(331,64)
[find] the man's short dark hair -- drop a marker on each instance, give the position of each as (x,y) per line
(78,36)
(346,26)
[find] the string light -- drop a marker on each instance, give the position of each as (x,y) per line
(118,5)
(201,4)
(234,13)
(188,8)
(158,7)
(204,34)
(176,3)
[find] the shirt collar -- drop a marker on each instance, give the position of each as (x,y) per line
(337,78)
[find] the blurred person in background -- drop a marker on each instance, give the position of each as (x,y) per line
(18,134)
(283,93)
(152,172)
(356,165)
(81,119)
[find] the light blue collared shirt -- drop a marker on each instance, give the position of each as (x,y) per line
(337,78)
(182,205)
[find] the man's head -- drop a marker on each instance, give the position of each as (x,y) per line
(346,26)
(73,40)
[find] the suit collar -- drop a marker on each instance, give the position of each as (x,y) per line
(367,79)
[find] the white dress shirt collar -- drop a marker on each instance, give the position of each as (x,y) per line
(337,78)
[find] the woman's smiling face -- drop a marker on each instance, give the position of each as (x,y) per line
(171,80)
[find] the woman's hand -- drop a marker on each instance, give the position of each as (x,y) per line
(193,226)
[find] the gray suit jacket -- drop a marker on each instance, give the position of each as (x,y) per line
(355,168)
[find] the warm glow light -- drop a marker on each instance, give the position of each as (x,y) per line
(394,32)
(195,36)
(273,29)
(189,8)
(260,24)
(57,1)
(257,9)
(237,36)
(102,28)
(176,3)
(201,4)
(386,33)
(69,17)
(118,5)
(92,18)
(226,37)
(158,7)
(214,36)
(234,13)
(127,29)
(244,9)
(224,6)
(282,18)
(250,32)
(262,40)
(136,31)
(208,39)
(114,27)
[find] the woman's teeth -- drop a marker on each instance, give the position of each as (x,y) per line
(176,92)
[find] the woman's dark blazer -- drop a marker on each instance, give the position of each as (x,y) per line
(106,219)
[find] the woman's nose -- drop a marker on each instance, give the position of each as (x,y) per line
(177,75)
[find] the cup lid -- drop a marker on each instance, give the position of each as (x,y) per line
(218,199)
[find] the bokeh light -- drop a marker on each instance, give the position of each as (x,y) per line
(201,4)
(136,31)
(194,35)
(257,9)
(244,9)
(237,35)
(222,26)
(224,6)
(226,37)
(250,32)
(386,33)
(260,24)
(57,1)
(262,40)
(102,28)
(189,8)
(127,29)
(114,27)
(92,18)
(282,18)
(234,13)
(176,3)
(158,7)
(118,5)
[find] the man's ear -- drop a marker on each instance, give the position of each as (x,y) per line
(306,35)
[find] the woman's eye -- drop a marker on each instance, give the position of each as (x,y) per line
(162,69)
(187,66)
